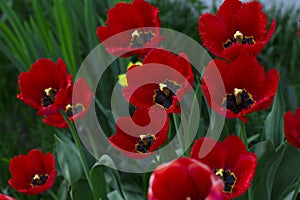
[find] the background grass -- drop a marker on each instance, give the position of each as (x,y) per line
(33,29)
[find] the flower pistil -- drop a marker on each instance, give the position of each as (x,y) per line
(228,177)
(139,38)
(164,95)
(239,38)
(238,100)
(144,144)
(48,96)
(39,179)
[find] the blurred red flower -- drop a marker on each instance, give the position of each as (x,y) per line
(40,86)
(163,79)
(248,88)
(4,197)
(229,160)
(145,132)
(33,173)
(140,17)
(76,104)
(184,178)
(292,127)
(237,28)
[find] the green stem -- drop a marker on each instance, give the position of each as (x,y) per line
(296,189)
(242,133)
(52,194)
(176,124)
(79,147)
(250,193)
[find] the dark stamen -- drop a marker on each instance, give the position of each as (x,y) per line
(164,95)
(39,179)
(228,177)
(144,144)
(48,97)
(139,38)
(237,101)
(239,38)
(73,110)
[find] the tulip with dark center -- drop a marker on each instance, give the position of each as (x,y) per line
(33,173)
(247,87)
(229,160)
(236,29)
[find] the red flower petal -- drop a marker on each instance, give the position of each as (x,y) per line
(193,180)
(231,155)
(24,167)
(159,67)
(125,16)
(242,73)
(233,16)
(292,127)
(4,197)
(143,122)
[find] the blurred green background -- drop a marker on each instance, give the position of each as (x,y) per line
(30,29)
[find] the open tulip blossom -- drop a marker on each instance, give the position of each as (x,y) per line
(131,110)
(184,178)
(229,160)
(248,88)
(237,28)
(168,77)
(33,173)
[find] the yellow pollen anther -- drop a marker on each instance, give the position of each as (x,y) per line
(36,177)
(220,172)
(48,90)
(238,36)
(68,107)
(237,93)
(135,33)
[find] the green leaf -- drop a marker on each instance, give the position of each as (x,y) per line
(115,195)
(274,121)
(98,181)
(81,190)
(62,193)
(68,159)
(112,175)
(287,172)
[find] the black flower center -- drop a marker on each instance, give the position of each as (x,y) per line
(228,177)
(139,38)
(39,179)
(48,96)
(74,109)
(164,95)
(240,39)
(238,100)
(144,144)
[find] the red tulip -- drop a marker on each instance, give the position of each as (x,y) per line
(145,132)
(140,17)
(237,28)
(184,179)
(75,104)
(292,127)
(40,86)
(33,173)
(163,79)
(229,160)
(247,87)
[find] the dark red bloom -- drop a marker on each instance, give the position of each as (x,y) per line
(40,86)
(163,79)
(229,160)
(299,30)
(145,132)
(141,18)
(237,28)
(292,127)
(247,87)
(76,104)
(33,173)
(4,197)
(186,179)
